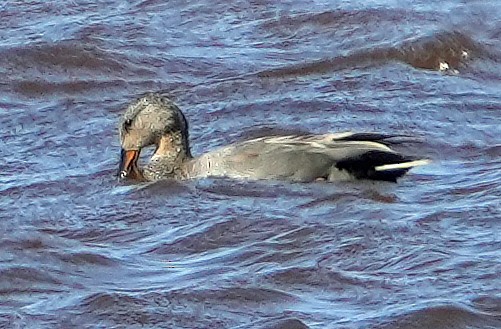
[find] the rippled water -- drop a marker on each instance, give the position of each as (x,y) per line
(78,249)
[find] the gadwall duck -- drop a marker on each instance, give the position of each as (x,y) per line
(155,120)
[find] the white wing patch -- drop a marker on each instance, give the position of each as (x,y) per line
(402,165)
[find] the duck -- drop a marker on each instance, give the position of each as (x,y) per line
(155,120)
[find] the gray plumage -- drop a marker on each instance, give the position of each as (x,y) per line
(155,120)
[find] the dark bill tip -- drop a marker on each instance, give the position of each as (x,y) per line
(128,164)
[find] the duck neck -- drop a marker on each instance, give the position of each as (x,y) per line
(173,148)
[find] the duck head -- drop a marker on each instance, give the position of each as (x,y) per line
(152,119)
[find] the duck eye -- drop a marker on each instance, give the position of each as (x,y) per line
(127,124)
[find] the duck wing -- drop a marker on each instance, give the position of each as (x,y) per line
(386,139)
(308,158)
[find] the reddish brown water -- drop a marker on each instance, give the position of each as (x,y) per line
(80,250)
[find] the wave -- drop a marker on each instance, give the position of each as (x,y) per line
(283,323)
(444,316)
(65,55)
(32,88)
(181,308)
(442,51)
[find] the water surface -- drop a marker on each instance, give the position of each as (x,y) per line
(78,249)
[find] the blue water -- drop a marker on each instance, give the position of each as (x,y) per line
(79,249)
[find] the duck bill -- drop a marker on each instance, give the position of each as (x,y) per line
(128,164)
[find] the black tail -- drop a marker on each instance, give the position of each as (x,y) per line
(371,165)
